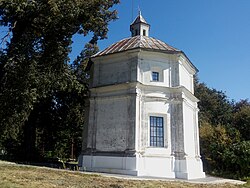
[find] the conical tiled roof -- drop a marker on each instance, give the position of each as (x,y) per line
(138,41)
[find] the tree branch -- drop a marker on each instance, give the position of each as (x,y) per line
(5,38)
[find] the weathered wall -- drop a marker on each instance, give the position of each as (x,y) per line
(177,140)
(115,70)
(112,122)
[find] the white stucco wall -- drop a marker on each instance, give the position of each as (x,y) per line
(123,97)
(185,78)
(138,66)
(159,109)
(186,74)
(188,125)
(155,62)
(173,70)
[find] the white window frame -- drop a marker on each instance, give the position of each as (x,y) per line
(160,74)
(165,129)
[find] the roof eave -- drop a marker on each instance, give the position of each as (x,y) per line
(97,56)
(145,49)
(140,23)
(189,61)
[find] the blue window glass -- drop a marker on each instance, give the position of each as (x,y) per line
(155,76)
(156,131)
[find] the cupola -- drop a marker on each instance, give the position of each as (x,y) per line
(139,26)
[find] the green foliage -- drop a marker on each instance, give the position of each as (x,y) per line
(242,118)
(214,105)
(216,142)
(41,93)
(224,133)
(237,158)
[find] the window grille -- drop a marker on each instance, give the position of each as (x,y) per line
(155,76)
(156,131)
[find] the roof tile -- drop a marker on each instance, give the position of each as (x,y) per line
(139,41)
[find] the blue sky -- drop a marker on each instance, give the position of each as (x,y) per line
(214,34)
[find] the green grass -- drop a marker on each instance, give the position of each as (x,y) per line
(248,183)
(18,176)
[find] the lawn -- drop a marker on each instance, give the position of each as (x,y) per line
(19,176)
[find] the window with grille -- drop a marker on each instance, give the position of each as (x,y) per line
(156,131)
(155,76)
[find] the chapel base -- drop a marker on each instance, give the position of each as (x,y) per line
(161,167)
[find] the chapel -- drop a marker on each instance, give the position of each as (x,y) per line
(142,115)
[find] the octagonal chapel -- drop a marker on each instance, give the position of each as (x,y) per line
(142,115)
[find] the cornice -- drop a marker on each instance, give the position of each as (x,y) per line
(139,88)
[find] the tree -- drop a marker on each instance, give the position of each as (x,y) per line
(224,132)
(242,118)
(35,68)
(214,105)
(215,145)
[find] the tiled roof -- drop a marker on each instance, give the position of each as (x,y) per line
(139,41)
